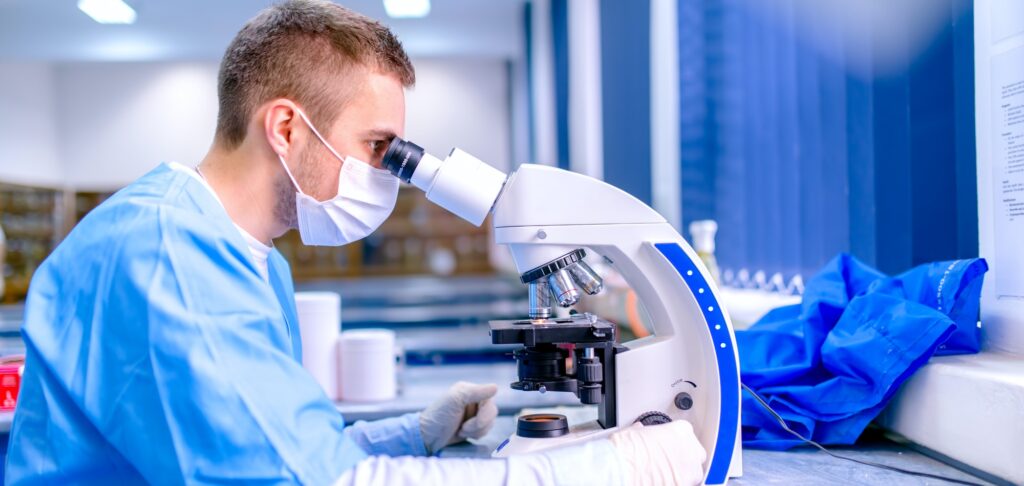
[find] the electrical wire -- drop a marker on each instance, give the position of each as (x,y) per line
(887,467)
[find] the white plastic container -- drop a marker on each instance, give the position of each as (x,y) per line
(368,365)
(319,326)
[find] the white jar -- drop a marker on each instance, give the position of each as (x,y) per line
(368,365)
(319,316)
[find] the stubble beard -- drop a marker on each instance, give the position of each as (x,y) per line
(284,204)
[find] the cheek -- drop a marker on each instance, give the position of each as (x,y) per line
(327,175)
(360,151)
(318,174)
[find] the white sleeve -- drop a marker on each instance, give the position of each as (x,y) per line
(592,463)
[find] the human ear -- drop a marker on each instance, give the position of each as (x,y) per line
(279,118)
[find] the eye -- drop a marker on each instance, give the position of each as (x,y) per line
(377,146)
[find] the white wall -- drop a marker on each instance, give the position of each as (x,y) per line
(999,72)
(462,103)
(665,157)
(119,120)
(545,125)
(99,126)
(586,122)
(28,133)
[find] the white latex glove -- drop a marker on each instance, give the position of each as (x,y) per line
(466,411)
(660,454)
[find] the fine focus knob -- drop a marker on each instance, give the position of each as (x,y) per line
(654,418)
(591,372)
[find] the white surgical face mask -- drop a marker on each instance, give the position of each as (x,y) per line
(366,197)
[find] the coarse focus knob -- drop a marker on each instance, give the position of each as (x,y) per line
(590,372)
(654,418)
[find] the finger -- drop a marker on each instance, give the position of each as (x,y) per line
(470,411)
(474,428)
(488,410)
(478,393)
(482,423)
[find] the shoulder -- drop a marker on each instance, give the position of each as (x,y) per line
(279,266)
(165,212)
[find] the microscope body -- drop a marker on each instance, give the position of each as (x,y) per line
(549,218)
(687,369)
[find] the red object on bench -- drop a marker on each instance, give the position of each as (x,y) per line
(11,368)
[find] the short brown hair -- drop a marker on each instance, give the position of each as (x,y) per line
(290,50)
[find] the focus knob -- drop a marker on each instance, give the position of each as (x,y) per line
(654,418)
(590,372)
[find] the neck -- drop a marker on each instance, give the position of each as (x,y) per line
(245,184)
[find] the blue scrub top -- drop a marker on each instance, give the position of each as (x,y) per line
(157,353)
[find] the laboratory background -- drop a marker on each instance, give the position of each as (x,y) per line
(848,175)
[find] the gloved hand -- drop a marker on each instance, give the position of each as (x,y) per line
(660,454)
(466,411)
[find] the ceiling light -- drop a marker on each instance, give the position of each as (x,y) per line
(404,9)
(108,11)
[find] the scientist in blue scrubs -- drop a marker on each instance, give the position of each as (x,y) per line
(161,336)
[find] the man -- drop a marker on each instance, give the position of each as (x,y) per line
(161,336)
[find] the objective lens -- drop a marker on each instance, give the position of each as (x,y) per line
(540,299)
(586,277)
(401,158)
(563,288)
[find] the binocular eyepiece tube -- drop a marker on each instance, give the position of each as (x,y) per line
(460,183)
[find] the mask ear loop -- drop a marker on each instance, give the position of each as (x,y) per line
(318,136)
(286,171)
(317,133)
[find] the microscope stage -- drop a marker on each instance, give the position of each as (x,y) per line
(579,328)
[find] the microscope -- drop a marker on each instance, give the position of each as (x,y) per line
(552,220)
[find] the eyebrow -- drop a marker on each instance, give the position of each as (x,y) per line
(381,133)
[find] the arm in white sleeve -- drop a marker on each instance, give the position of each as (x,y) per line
(395,436)
(592,463)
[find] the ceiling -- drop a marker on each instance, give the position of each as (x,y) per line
(56,31)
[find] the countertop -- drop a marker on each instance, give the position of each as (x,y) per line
(803,466)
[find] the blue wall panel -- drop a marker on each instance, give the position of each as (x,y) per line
(560,44)
(822,139)
(626,95)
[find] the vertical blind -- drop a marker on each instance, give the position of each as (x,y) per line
(804,140)
(803,134)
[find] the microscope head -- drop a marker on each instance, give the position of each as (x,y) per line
(460,183)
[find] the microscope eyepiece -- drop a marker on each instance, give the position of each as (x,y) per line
(402,158)
(460,183)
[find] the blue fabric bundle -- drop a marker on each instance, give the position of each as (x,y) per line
(829,365)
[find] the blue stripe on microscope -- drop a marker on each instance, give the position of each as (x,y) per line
(728,374)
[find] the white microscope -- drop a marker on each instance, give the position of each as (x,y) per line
(551,219)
